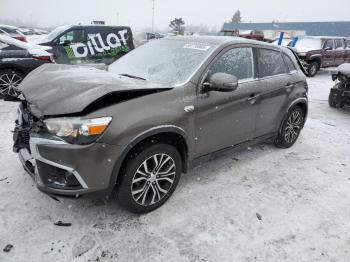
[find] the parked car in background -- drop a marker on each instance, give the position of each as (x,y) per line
(252,34)
(322,52)
(81,130)
(339,96)
(76,44)
(17,59)
(32,31)
(40,31)
(141,38)
(13,32)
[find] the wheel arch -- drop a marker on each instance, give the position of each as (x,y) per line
(317,59)
(172,135)
(13,67)
(302,103)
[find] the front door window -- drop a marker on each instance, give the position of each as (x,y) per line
(73,37)
(237,62)
(329,45)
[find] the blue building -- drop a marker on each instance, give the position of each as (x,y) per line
(311,28)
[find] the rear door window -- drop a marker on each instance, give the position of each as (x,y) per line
(237,62)
(270,63)
(339,44)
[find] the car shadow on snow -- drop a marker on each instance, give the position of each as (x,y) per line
(208,170)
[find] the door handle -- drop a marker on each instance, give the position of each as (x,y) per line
(189,108)
(252,98)
(289,87)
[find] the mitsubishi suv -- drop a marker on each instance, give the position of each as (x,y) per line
(155,113)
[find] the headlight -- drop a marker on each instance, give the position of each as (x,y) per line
(303,54)
(76,130)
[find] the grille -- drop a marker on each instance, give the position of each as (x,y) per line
(26,138)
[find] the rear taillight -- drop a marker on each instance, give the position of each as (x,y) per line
(21,38)
(44,58)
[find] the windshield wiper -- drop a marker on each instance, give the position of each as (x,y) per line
(131,76)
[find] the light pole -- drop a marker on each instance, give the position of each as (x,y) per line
(153,16)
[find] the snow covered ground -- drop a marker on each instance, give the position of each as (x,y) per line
(301,196)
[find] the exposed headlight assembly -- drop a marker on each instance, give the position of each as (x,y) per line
(76,130)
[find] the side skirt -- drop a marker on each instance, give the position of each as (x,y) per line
(232,149)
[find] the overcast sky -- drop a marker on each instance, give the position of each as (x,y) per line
(138,13)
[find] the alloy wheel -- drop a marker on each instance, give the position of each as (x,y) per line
(313,69)
(9,83)
(293,126)
(153,179)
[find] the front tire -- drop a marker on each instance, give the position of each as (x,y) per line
(313,68)
(291,127)
(9,81)
(149,178)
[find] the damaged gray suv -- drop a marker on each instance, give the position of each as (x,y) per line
(159,110)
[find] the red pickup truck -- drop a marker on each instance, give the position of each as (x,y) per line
(322,52)
(252,34)
(249,34)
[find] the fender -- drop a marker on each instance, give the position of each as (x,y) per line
(14,66)
(316,56)
(147,133)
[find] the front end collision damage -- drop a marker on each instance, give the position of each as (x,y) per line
(59,167)
(72,170)
(63,168)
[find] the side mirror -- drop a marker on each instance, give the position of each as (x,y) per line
(328,48)
(67,42)
(221,82)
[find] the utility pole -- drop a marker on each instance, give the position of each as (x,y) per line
(153,16)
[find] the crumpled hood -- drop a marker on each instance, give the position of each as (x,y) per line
(55,89)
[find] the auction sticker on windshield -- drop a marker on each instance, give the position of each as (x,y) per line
(197,46)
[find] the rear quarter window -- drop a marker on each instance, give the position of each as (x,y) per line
(289,63)
(270,63)
(339,44)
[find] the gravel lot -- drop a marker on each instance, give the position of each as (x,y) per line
(261,204)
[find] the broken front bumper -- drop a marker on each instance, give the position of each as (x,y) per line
(340,96)
(66,169)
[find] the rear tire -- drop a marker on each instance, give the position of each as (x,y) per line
(9,81)
(149,178)
(291,127)
(313,68)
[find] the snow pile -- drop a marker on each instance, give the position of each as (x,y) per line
(261,204)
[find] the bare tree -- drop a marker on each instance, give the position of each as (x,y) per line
(178,25)
(236,18)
